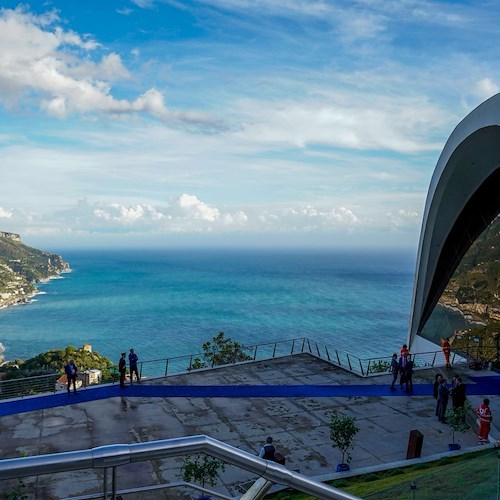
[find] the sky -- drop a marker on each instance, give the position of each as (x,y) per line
(172,123)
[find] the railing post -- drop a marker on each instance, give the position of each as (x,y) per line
(113,494)
(105,483)
(303,343)
(317,349)
(274,350)
(190,362)
(293,345)
(338,359)
(327,353)
(309,345)
(255,353)
(361,366)
(349,361)
(166,367)
(368,369)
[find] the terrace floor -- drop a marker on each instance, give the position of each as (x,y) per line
(287,398)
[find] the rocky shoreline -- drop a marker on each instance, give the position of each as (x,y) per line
(21,267)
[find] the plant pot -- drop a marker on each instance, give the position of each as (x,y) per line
(454,446)
(343,467)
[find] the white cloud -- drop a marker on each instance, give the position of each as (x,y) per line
(486,88)
(38,60)
(346,120)
(5,213)
(403,219)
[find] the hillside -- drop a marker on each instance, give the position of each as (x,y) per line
(474,288)
(21,267)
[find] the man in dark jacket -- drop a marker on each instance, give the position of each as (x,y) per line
(458,392)
(268,450)
(132,360)
(394,370)
(408,374)
(71,372)
(442,400)
(122,368)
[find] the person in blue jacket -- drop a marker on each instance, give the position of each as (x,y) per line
(132,361)
(71,373)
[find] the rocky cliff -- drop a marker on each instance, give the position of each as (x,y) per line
(474,288)
(21,267)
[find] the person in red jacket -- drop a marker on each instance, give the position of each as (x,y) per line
(484,414)
(404,351)
(445,345)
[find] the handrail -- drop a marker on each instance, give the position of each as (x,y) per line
(121,454)
(163,367)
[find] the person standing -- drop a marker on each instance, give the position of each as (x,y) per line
(437,381)
(268,450)
(404,351)
(122,368)
(71,373)
(457,392)
(394,369)
(403,360)
(132,360)
(445,345)
(485,418)
(409,373)
(442,400)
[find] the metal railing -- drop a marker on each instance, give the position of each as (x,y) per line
(113,456)
(378,365)
(163,367)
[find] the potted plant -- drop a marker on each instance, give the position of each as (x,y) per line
(203,469)
(343,428)
(455,417)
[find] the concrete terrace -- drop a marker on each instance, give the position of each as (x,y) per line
(297,420)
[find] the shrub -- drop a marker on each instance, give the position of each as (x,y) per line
(342,431)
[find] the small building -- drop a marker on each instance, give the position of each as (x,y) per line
(85,377)
(91,376)
(62,383)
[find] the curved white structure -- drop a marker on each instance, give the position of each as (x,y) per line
(463,199)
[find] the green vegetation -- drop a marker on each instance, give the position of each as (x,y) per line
(474,289)
(53,361)
(21,266)
(464,476)
(202,469)
(343,428)
(220,350)
(455,417)
(379,366)
(476,278)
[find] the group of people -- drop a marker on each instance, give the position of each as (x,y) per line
(402,367)
(442,393)
(132,363)
(72,371)
(457,393)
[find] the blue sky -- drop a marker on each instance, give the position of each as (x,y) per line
(233,122)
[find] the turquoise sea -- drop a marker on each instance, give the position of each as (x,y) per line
(167,303)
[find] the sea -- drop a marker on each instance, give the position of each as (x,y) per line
(167,303)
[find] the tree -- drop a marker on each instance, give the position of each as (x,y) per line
(203,469)
(220,350)
(455,417)
(53,361)
(343,428)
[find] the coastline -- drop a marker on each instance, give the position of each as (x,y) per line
(20,297)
